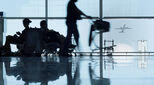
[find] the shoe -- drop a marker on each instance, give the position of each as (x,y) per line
(5,52)
(72,46)
(2,51)
(65,55)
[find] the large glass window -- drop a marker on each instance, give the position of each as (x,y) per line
(15,25)
(23,8)
(139,30)
(58,8)
(142,29)
(128,8)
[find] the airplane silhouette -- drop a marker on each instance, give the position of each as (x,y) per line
(124,27)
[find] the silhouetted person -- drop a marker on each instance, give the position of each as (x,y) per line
(15,39)
(33,70)
(44,30)
(73,14)
(26,23)
(51,36)
(43,25)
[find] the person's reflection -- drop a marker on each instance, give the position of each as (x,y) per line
(70,79)
(77,75)
(69,72)
(32,70)
(7,65)
(95,80)
(1,74)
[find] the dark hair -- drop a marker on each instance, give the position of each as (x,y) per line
(74,0)
(26,20)
(43,22)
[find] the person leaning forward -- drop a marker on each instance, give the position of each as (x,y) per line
(18,38)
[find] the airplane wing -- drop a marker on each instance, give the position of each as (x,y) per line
(127,28)
(118,28)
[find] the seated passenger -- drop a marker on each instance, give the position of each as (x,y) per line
(15,39)
(51,35)
(33,43)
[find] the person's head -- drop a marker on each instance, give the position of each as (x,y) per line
(26,22)
(74,0)
(43,24)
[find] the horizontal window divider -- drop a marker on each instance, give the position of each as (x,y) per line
(42,17)
(128,17)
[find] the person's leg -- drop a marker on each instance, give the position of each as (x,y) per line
(7,46)
(64,50)
(90,36)
(76,34)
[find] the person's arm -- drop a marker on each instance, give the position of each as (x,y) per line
(81,13)
(22,35)
(18,33)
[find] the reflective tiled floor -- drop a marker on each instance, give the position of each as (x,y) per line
(80,70)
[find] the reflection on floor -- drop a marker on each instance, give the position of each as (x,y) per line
(43,70)
(79,70)
(32,70)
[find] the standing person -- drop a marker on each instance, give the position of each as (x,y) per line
(73,14)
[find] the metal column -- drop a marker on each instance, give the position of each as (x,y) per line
(46,11)
(1,28)
(1,74)
(101,40)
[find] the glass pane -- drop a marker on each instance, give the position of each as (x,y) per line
(14,25)
(130,32)
(128,8)
(139,30)
(57,8)
(23,8)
